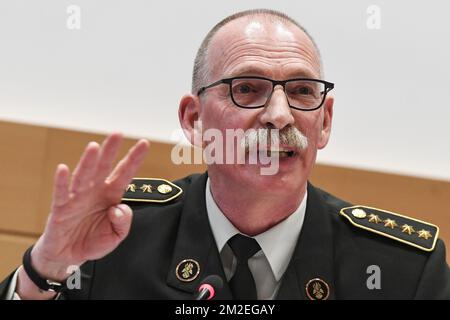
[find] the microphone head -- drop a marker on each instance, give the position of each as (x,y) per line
(211,284)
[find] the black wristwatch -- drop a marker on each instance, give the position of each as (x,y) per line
(41,283)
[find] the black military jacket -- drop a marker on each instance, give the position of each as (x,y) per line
(171,248)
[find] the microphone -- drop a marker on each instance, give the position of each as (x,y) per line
(208,287)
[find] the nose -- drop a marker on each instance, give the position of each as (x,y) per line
(277,114)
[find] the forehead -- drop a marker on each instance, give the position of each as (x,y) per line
(262,46)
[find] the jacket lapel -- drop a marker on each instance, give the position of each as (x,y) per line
(313,255)
(312,258)
(195,243)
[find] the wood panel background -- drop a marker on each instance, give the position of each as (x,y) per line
(29,155)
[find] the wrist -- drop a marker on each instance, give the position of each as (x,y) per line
(48,276)
(48,269)
(27,290)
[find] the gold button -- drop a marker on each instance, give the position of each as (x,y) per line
(359,213)
(164,188)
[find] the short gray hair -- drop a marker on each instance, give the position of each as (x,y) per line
(200,74)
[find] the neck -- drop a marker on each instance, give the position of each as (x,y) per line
(253,212)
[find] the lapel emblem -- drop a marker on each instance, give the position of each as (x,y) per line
(317,289)
(187,270)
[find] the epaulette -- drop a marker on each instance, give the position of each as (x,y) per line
(416,233)
(151,190)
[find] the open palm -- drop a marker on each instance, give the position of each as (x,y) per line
(87,220)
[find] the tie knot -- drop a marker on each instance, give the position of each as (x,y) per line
(243,247)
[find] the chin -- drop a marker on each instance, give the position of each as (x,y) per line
(281,182)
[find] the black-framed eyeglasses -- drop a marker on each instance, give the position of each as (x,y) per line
(254,92)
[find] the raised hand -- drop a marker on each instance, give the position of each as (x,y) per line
(87,221)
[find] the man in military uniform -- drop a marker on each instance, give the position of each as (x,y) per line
(267,236)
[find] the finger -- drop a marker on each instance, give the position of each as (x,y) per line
(128,166)
(86,168)
(120,217)
(61,186)
(108,153)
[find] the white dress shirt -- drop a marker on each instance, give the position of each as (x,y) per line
(11,294)
(277,246)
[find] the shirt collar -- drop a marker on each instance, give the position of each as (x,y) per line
(277,243)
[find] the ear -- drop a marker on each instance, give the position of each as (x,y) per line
(189,115)
(326,124)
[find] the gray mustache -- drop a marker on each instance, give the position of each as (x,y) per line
(264,137)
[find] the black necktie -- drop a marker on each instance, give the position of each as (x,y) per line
(242,283)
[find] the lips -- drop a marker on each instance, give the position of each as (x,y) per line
(279,153)
(282,152)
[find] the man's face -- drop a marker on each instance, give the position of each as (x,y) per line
(275,50)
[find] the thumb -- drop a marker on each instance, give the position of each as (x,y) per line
(120,217)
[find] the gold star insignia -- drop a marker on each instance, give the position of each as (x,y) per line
(374,218)
(146,188)
(408,229)
(389,223)
(131,187)
(424,234)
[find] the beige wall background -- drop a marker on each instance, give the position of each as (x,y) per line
(29,154)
